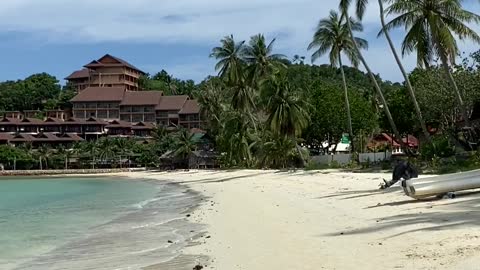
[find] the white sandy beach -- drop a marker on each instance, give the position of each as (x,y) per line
(261,220)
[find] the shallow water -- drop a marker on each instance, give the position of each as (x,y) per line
(91,223)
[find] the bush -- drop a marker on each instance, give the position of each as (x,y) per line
(441,147)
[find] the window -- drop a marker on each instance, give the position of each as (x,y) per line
(102,114)
(113,114)
(137,118)
(137,109)
(149,118)
(162,114)
(91,105)
(125,117)
(149,109)
(126,109)
(80,114)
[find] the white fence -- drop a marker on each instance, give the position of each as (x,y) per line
(343,159)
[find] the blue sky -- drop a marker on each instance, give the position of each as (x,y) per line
(60,36)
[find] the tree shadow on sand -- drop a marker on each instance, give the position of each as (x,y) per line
(461,212)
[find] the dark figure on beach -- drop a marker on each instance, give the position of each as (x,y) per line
(403,170)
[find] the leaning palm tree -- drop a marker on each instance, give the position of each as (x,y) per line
(230,56)
(333,37)
(431,29)
(411,92)
(260,58)
(360,10)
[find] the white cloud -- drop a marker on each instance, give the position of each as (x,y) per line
(185,21)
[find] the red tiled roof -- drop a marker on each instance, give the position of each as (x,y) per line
(143,125)
(119,124)
(53,121)
(9,121)
(190,107)
(109,60)
(92,94)
(411,141)
(5,137)
(30,121)
(171,103)
(142,98)
(46,137)
(79,74)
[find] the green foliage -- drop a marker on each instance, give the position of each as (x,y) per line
(329,117)
(33,93)
(441,147)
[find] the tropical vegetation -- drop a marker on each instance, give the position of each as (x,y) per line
(266,110)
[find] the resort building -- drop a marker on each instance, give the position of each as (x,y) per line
(115,103)
(108,71)
(108,103)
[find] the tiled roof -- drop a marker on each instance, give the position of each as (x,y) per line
(190,107)
(46,137)
(9,121)
(119,124)
(30,121)
(142,98)
(143,125)
(5,137)
(92,94)
(79,74)
(106,60)
(171,103)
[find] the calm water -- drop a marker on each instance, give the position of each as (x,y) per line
(91,223)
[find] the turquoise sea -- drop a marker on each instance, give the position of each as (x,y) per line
(91,223)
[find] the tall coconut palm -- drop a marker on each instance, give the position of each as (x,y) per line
(411,92)
(287,112)
(431,29)
(43,153)
(260,58)
(230,56)
(333,37)
(360,11)
(185,145)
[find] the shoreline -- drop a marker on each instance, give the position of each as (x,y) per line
(69,172)
(324,220)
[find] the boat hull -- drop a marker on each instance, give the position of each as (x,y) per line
(439,185)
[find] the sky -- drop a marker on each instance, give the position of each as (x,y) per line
(60,36)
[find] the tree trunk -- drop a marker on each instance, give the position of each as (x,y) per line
(449,74)
(40,162)
(404,73)
(66,163)
(375,84)
(347,103)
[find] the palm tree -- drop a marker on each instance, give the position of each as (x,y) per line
(404,73)
(297,59)
(260,58)
(287,112)
(107,150)
(91,148)
(124,148)
(332,36)
(65,153)
(360,10)
(230,56)
(43,153)
(431,29)
(185,145)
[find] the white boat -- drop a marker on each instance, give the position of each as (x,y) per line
(439,185)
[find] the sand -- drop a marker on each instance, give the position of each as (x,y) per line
(259,220)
